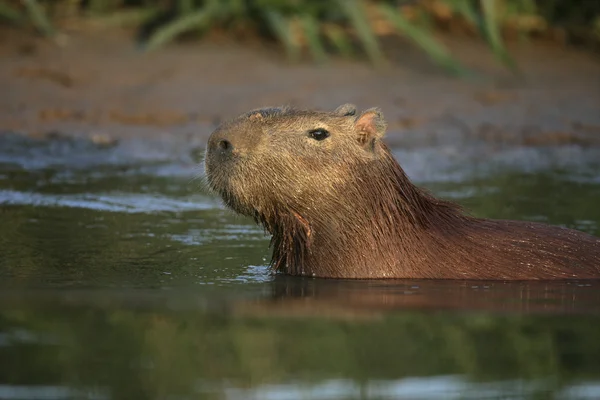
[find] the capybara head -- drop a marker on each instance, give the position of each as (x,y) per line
(275,160)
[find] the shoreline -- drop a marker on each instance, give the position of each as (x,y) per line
(99,86)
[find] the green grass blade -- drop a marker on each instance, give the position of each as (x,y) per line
(522,7)
(490,25)
(315,44)
(355,12)
(99,7)
(197,20)
(339,39)
(465,8)
(281,28)
(9,13)
(435,50)
(38,17)
(126,18)
(186,6)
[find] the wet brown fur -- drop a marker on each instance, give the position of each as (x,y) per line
(344,208)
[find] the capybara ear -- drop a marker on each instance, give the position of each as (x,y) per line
(255,116)
(370,126)
(346,110)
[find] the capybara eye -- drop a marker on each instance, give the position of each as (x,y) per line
(318,134)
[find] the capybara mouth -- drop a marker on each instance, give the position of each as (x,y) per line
(221,186)
(234,203)
(219,182)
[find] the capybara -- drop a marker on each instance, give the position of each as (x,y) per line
(338,205)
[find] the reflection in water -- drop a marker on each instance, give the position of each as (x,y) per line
(15,392)
(437,387)
(113,202)
(119,281)
(294,295)
(304,338)
(442,387)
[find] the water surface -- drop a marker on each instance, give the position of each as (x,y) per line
(122,277)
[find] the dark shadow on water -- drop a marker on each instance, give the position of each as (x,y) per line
(314,296)
(287,296)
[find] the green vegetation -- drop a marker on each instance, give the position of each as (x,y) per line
(323,27)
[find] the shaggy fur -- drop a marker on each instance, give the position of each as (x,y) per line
(342,207)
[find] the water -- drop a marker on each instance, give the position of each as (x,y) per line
(122,278)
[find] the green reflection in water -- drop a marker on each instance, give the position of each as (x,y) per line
(147,345)
(551,197)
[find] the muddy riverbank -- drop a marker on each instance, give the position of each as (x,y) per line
(97,84)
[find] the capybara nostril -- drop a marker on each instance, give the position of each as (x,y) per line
(225,144)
